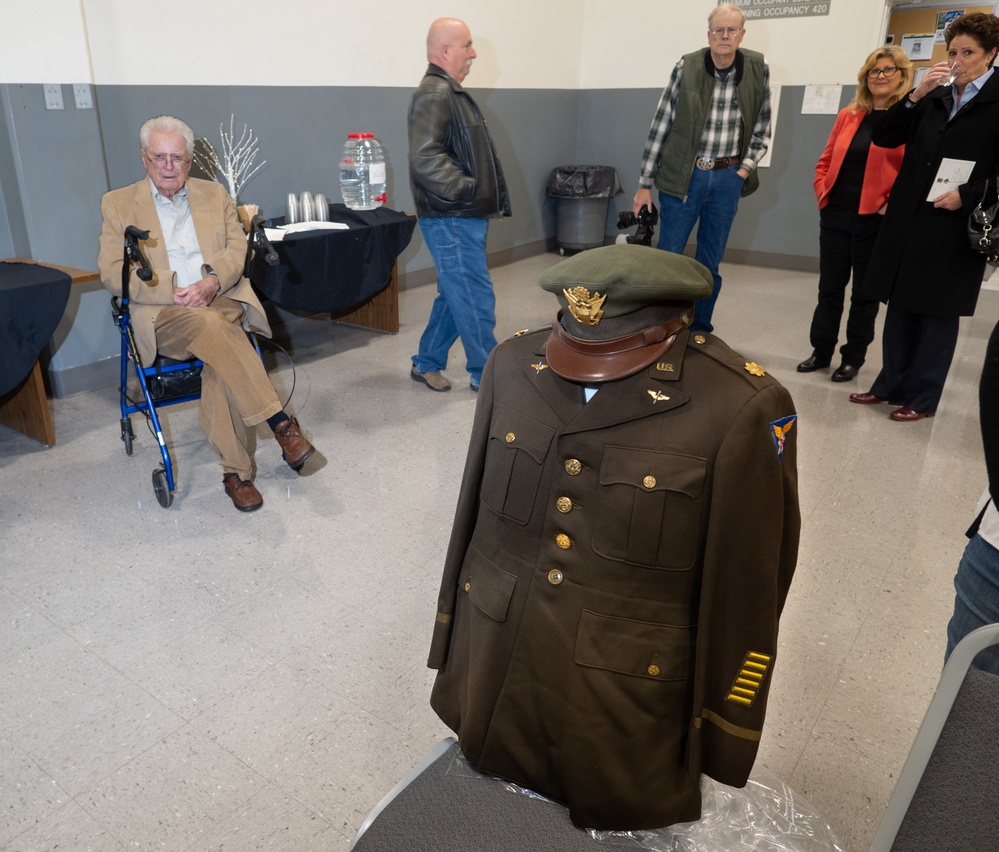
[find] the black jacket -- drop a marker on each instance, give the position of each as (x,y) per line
(453,167)
(922,261)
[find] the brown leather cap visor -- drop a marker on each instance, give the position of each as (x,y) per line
(589,361)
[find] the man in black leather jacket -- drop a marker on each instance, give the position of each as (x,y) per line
(458,185)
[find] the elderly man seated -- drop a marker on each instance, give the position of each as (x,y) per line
(197,303)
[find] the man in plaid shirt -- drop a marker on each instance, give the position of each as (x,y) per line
(709,133)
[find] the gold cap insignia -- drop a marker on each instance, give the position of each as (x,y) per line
(657,396)
(585,309)
(755,369)
(750,678)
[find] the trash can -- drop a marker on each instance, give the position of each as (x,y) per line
(583,194)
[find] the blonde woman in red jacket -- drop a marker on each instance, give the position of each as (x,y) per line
(852,181)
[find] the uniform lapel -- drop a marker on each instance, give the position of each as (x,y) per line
(625,400)
(649,392)
(565,398)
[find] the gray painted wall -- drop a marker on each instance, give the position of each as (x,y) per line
(55,165)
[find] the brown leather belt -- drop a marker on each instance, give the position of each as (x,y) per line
(706,164)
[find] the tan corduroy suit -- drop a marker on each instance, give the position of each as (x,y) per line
(235,390)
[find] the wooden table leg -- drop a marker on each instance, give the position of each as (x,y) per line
(381,311)
(26,409)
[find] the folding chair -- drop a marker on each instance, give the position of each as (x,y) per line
(946,794)
(433,808)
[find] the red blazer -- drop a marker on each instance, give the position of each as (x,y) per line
(882,165)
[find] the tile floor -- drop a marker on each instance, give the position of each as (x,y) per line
(198,679)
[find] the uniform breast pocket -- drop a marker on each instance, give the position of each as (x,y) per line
(650,507)
(515,456)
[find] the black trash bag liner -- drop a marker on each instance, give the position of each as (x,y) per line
(583,182)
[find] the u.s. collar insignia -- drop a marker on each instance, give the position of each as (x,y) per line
(541,365)
(779,430)
(664,367)
(755,369)
(657,396)
(585,309)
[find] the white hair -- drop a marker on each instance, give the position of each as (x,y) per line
(166,124)
(726,7)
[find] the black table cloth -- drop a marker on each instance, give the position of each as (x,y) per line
(32,301)
(334,270)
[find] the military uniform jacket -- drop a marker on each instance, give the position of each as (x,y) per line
(607,619)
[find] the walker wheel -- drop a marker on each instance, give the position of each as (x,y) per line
(162,488)
(127,435)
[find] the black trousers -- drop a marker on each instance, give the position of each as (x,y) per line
(846,241)
(917,351)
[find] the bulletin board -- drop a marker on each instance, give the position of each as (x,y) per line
(907,22)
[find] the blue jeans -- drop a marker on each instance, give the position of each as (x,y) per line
(977,600)
(712,197)
(465,306)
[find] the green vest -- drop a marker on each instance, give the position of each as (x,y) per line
(676,159)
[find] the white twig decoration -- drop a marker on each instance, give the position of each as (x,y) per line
(236,164)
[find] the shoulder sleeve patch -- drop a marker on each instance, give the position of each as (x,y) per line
(779,429)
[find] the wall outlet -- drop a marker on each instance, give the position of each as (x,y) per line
(53,95)
(82,96)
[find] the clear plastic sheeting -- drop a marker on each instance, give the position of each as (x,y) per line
(764,816)
(583,182)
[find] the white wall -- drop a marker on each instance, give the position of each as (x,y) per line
(319,42)
(544,44)
(621,50)
(43,42)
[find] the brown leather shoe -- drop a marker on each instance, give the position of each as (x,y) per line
(294,445)
(244,495)
(907,415)
(866,399)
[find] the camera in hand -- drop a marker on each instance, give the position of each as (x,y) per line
(646,222)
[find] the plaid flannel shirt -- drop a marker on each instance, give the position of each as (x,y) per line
(722,130)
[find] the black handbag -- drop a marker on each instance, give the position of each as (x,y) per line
(983,229)
(170,380)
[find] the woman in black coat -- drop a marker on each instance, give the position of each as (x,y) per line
(923,266)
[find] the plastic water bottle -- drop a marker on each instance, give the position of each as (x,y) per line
(362,172)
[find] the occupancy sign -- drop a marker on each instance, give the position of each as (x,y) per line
(769,9)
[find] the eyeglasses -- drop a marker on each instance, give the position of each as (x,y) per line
(732,32)
(168,159)
(888,72)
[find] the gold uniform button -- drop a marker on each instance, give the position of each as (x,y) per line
(555,576)
(510,437)
(573,467)
(700,339)
(468,586)
(563,541)
(653,670)
(649,481)
(564,505)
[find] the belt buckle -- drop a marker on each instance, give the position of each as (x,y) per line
(705,164)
